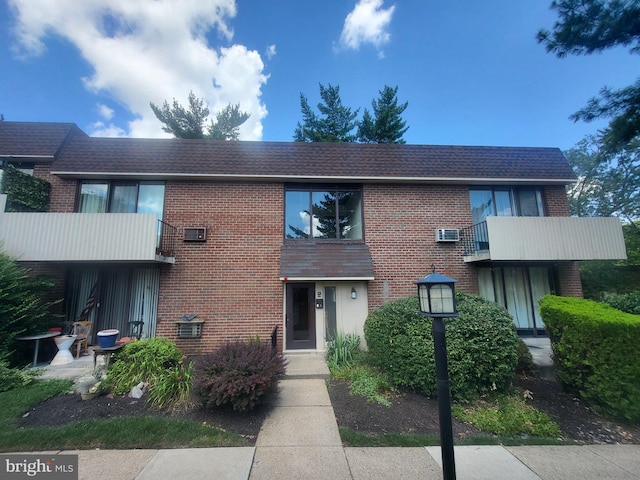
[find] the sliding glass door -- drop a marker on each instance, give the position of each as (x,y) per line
(117,295)
(518,289)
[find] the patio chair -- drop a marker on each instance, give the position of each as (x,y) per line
(135,329)
(81,343)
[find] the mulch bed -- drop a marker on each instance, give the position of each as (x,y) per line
(414,413)
(70,408)
(410,413)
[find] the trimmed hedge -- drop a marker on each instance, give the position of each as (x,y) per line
(596,353)
(481,346)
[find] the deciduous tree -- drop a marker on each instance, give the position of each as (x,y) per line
(608,183)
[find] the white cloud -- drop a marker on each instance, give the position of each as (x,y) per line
(271,52)
(99,129)
(368,22)
(150,51)
(104,111)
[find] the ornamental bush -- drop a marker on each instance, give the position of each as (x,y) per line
(23,309)
(238,374)
(481,346)
(160,364)
(627,302)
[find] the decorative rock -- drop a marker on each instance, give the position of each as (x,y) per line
(139,390)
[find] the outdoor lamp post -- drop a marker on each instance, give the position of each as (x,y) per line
(437,295)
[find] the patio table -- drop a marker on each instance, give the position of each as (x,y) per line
(107,352)
(37,339)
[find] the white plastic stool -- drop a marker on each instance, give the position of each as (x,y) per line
(64,354)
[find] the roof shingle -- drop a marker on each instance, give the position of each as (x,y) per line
(35,139)
(90,157)
(325,260)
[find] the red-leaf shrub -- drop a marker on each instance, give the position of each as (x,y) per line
(238,374)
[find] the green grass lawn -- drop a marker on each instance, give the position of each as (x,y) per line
(117,433)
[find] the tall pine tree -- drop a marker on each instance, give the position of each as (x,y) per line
(386,125)
(189,122)
(335,123)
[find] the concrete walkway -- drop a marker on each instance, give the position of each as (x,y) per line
(300,440)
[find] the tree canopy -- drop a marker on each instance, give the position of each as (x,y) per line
(190,122)
(387,125)
(227,124)
(608,183)
(588,26)
(336,123)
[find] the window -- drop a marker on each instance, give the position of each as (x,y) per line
(321,212)
(121,197)
(505,202)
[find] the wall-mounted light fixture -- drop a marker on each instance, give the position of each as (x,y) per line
(354,294)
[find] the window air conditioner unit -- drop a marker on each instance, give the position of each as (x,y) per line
(195,234)
(447,235)
(190,329)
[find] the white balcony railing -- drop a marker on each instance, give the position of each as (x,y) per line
(544,239)
(77,237)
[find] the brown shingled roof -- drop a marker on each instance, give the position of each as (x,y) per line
(325,260)
(78,155)
(312,161)
(35,140)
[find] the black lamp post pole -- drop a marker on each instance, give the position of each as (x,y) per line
(444,399)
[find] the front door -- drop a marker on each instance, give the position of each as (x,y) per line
(301,316)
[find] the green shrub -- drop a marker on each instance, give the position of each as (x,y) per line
(628,302)
(342,350)
(238,374)
(481,344)
(596,353)
(525,365)
(157,362)
(370,383)
(11,378)
(507,415)
(22,308)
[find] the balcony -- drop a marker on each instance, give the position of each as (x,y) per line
(544,239)
(87,237)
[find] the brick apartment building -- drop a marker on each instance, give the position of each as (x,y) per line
(308,237)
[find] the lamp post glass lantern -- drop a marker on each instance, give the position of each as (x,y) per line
(437,299)
(437,295)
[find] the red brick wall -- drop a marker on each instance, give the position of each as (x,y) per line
(400,223)
(232,280)
(63,192)
(555,201)
(569,281)
(55,272)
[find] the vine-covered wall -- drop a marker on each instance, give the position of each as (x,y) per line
(24,192)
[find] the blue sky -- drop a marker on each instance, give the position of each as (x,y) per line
(472,71)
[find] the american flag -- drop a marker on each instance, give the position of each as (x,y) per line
(88,306)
